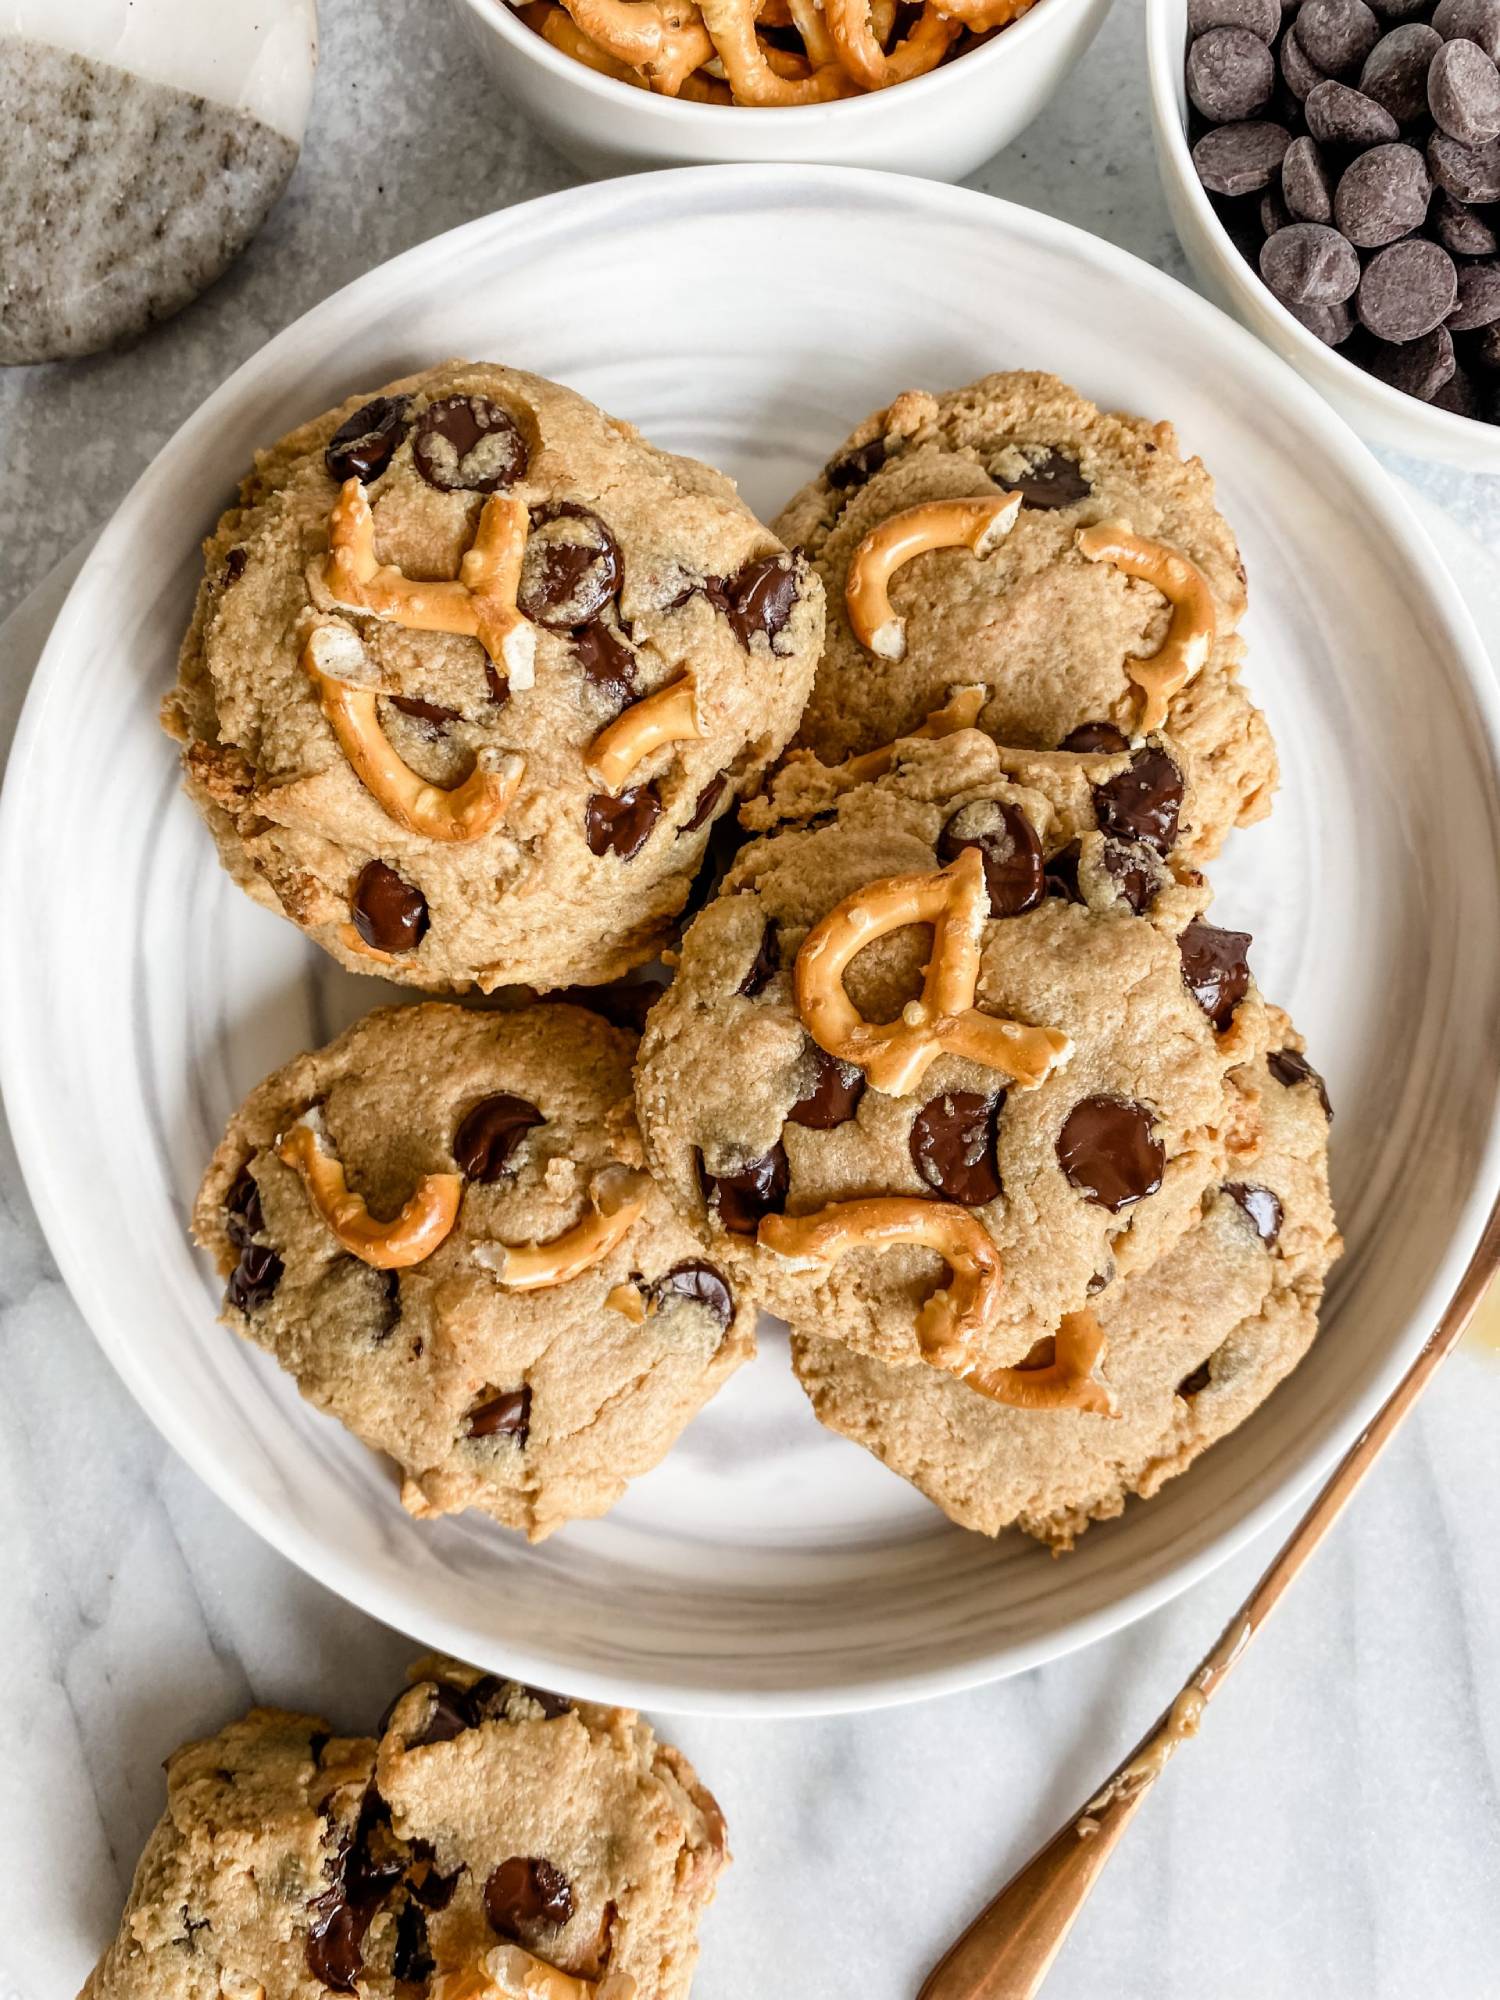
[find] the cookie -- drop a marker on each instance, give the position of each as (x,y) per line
(1058,637)
(472,670)
(1192,1345)
(439,1226)
(491,1832)
(837,1035)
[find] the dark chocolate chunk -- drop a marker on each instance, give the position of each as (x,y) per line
(1194,1384)
(1382,195)
(1468,173)
(1290,1067)
(1339,115)
(389,913)
(505,1415)
(1305,183)
(1215,969)
(1061,874)
(410,1958)
(744,1194)
(450,1712)
(253,1281)
(496,686)
(1260,1205)
(487,1137)
(526,1892)
(706,801)
(621,823)
(234,567)
(364,444)
(764,966)
(1008,848)
(1143,801)
(1054,479)
(1308,263)
(1134,870)
(364,1875)
(243,1216)
(1240,159)
(389,1317)
(469,444)
(855,466)
(571,568)
(1395,74)
(760,597)
(430,712)
(1109,1150)
(1463,93)
(834,1096)
(1407,290)
(1230,74)
(1095,736)
(699,1283)
(608,663)
(953,1145)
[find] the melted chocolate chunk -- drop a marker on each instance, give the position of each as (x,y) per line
(488,1135)
(1194,1384)
(1143,801)
(431,1889)
(1061,874)
(1095,736)
(699,1282)
(364,444)
(424,711)
(389,914)
(411,1960)
(234,567)
(468,444)
(496,686)
(953,1145)
(855,466)
(1109,1150)
(759,597)
(243,1218)
(1052,480)
(835,1094)
(1132,875)
(364,1873)
(253,1281)
(1014,872)
(1290,1067)
(525,1892)
(450,1714)
(505,1415)
(607,662)
(744,1194)
(1215,969)
(621,823)
(705,802)
(571,568)
(765,965)
(1262,1207)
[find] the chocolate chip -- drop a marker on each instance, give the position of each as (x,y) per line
(1095,736)
(1339,115)
(253,1281)
(1336,35)
(1418,368)
(424,711)
(410,1959)
(364,444)
(505,1415)
(487,1137)
(1054,479)
(389,914)
(953,1145)
(1143,801)
(1460,230)
(1260,1205)
(1261,17)
(243,1217)
(699,1283)
(855,466)
(1194,1384)
(764,966)
(450,1713)
(1407,290)
(1478,301)
(1309,264)
(607,662)
(1215,969)
(469,444)
(1061,874)
(434,1891)
(1305,183)
(1395,75)
(1468,173)
(703,806)
(525,1892)
(744,1194)
(1109,1150)
(234,567)
(340,1917)
(1240,159)
(1009,849)
(1298,72)
(621,823)
(1475,21)
(1332,324)
(1230,74)
(1134,870)
(571,568)
(1463,93)
(1382,195)
(760,597)
(1290,1067)
(834,1096)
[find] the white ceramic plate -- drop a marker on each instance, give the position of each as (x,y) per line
(751,314)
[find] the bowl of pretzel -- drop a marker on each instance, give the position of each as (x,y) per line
(912,86)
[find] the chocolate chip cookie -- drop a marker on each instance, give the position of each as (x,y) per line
(1070,563)
(949,1024)
(441,1227)
(1191,1345)
(473,669)
(491,1842)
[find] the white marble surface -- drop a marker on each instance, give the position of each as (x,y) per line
(1335,1833)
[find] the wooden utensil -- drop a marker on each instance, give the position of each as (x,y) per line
(1008,1950)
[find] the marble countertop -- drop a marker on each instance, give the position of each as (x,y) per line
(1335,1832)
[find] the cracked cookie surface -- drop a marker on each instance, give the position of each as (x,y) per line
(536,1406)
(640,569)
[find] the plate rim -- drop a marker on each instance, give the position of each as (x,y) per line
(22,1086)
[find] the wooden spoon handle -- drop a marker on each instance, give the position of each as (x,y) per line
(1008,1950)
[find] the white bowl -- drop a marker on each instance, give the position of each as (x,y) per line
(1384,415)
(942,125)
(767,1565)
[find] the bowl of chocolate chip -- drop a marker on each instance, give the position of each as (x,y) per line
(1333,171)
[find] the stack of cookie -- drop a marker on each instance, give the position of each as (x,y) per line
(954,1073)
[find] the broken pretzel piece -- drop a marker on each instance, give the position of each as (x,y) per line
(1066,1382)
(1194,623)
(423,1224)
(618,1200)
(670,715)
(961,711)
(508,1972)
(976,525)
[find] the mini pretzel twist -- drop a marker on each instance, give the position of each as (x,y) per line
(556,25)
(1067,1382)
(978,525)
(980,16)
(664,42)
(423,1224)
(670,715)
(1191,632)
(509,1972)
(752,77)
(896,1055)
(479,603)
(867,62)
(951,1320)
(466,812)
(961,711)
(618,1200)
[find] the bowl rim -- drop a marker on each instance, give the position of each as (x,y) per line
(500,17)
(23,1083)
(1164,57)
